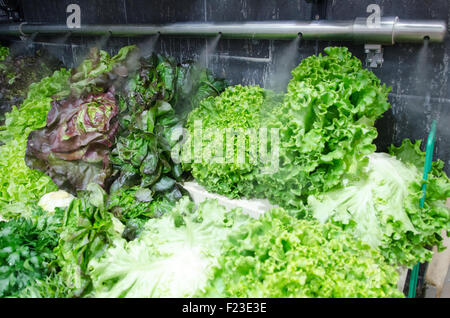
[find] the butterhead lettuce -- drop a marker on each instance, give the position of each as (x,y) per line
(73,148)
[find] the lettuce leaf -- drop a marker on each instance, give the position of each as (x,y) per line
(21,187)
(237,110)
(88,229)
(326,126)
(172,257)
(73,148)
(382,208)
(281,256)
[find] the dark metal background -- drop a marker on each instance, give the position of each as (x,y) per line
(253,62)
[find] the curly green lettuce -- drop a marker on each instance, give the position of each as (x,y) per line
(281,256)
(326,126)
(227,126)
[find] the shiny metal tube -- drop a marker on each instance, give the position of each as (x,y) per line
(390,31)
(406,31)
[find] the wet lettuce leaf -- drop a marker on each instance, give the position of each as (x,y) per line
(20,186)
(88,229)
(73,148)
(326,126)
(172,257)
(151,118)
(281,256)
(382,207)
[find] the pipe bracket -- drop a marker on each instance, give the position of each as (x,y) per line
(374,55)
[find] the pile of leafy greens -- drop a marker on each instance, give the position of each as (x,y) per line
(136,202)
(281,256)
(113,124)
(73,148)
(226,158)
(325,123)
(150,126)
(172,257)
(21,187)
(88,229)
(213,252)
(26,250)
(382,207)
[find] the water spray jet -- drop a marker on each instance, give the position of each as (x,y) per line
(210,48)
